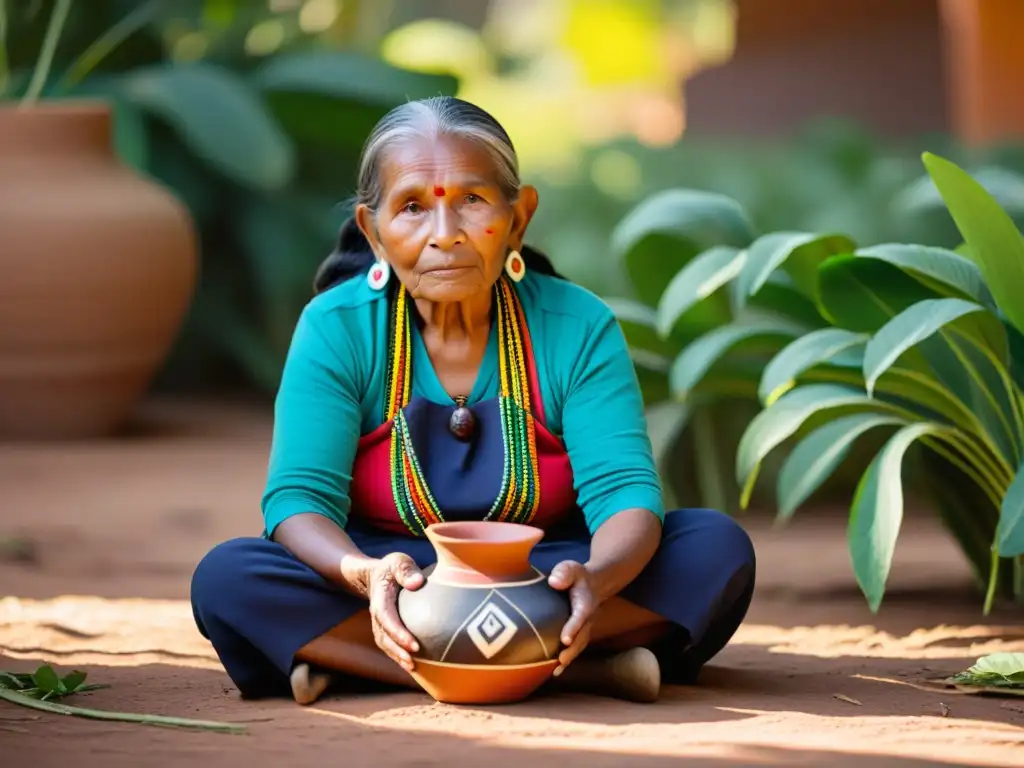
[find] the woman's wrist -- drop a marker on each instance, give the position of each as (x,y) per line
(603,585)
(355,570)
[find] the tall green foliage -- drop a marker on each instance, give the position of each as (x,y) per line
(936,336)
(901,343)
(712,302)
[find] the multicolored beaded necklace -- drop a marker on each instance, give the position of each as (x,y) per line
(520,491)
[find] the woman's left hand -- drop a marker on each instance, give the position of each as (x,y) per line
(573,576)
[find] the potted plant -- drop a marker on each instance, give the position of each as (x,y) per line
(97,262)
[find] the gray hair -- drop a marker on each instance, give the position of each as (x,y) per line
(430,118)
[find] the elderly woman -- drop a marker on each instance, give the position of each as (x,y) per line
(433,317)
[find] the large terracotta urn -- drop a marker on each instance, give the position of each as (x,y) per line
(97,269)
(487,622)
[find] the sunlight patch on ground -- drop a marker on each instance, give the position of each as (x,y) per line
(831,641)
(736,736)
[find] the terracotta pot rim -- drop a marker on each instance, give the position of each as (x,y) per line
(483,532)
(76,107)
(487,667)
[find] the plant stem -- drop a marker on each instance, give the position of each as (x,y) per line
(993,581)
(108,41)
(125,717)
(4,68)
(42,71)
(709,471)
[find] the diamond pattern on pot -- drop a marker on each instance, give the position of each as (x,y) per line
(491,630)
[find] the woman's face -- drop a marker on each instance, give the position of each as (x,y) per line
(444,225)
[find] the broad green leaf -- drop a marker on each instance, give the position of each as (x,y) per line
(818,346)
(1005,186)
(46,679)
(700,278)
(73,681)
(816,457)
(799,253)
(995,242)
(784,417)
(863,294)
(696,359)
(780,295)
(131,140)
(334,98)
(938,268)
(663,232)
(923,394)
(877,513)
(639,325)
(220,118)
(919,322)
(351,76)
(1004,664)
(1010,532)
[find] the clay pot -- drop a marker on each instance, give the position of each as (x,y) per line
(97,269)
(486,620)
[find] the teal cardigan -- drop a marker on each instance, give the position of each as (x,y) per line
(332,391)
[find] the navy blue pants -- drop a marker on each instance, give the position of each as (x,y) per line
(258,605)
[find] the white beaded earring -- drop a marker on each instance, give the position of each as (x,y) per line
(378,275)
(515,267)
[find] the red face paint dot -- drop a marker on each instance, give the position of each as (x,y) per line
(489,231)
(438,191)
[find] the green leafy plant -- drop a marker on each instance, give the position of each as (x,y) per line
(259,147)
(999,673)
(712,303)
(43,688)
(45,684)
(934,341)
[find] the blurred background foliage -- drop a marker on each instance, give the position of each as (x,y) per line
(253,113)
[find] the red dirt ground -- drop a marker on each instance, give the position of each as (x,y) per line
(812,678)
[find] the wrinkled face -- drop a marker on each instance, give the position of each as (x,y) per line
(444,224)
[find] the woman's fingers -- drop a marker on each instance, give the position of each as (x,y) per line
(390,622)
(583,605)
(393,571)
(563,575)
(569,654)
(398,654)
(406,573)
(581,614)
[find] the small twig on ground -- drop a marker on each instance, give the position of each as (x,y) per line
(847,699)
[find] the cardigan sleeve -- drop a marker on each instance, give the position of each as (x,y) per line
(316,425)
(605,431)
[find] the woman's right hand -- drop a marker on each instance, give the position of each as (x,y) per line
(388,575)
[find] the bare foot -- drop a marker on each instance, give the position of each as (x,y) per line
(633,675)
(308,686)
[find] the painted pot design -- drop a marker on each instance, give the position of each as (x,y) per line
(486,620)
